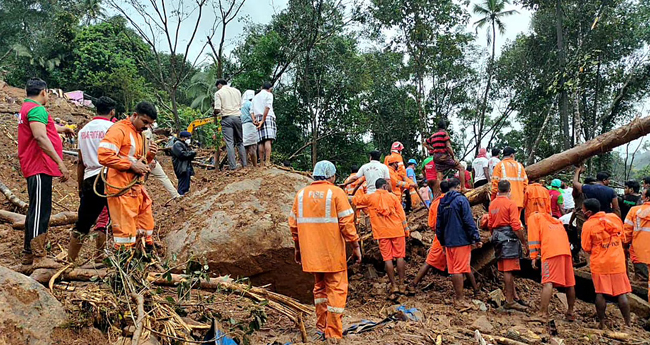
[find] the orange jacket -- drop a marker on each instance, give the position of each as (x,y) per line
(503,212)
(637,231)
(602,236)
(121,146)
(398,181)
(536,199)
(387,216)
(321,221)
(433,219)
(511,170)
(397,155)
(358,198)
(547,234)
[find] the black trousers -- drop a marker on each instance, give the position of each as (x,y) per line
(39,189)
(90,206)
(183,183)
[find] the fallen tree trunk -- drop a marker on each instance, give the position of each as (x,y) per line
(599,145)
(12,197)
(18,220)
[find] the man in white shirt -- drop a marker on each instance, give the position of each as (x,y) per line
(266,127)
(494,160)
(88,167)
(227,105)
(372,171)
(480,164)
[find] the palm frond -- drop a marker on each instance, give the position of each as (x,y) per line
(507,13)
(478,9)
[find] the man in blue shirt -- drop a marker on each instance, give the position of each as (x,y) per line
(599,190)
(410,169)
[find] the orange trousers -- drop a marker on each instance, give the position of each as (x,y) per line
(330,294)
(131,214)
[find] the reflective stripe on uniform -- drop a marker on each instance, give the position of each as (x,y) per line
(300,202)
(124,239)
(335,310)
(320,300)
(328,203)
(629,222)
(345,213)
(109,146)
(317,220)
(534,242)
(292,215)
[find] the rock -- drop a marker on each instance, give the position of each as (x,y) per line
(242,231)
(371,273)
(497,297)
(482,324)
(416,235)
(556,341)
(563,300)
(481,305)
(639,306)
(29,312)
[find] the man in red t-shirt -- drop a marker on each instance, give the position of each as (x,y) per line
(40,152)
(443,154)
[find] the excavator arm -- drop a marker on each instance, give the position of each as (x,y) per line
(200,122)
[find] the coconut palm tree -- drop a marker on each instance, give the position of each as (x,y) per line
(92,10)
(492,12)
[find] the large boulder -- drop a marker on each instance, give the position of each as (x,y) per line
(241,229)
(29,313)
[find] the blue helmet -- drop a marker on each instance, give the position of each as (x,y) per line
(412,161)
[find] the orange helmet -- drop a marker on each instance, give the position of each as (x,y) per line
(397,146)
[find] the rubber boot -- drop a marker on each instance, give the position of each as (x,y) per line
(75,245)
(40,253)
(100,245)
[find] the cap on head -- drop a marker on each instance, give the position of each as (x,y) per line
(413,161)
(397,146)
(185,134)
(248,95)
(508,151)
(556,183)
(324,169)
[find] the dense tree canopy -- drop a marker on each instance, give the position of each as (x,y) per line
(351,76)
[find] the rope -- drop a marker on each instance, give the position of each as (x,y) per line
(121,190)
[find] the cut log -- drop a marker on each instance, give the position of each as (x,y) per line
(43,275)
(12,197)
(599,145)
(18,220)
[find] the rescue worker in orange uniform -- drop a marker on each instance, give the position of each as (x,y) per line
(122,151)
(398,180)
(396,153)
(321,222)
(637,230)
(512,171)
(507,237)
(602,239)
(548,238)
(436,257)
(390,229)
(536,199)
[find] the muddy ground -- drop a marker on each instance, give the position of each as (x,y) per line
(367,300)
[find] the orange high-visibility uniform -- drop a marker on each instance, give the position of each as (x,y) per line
(536,199)
(131,213)
(504,212)
(602,238)
(387,216)
(399,182)
(548,236)
(436,256)
(511,170)
(637,232)
(321,221)
(349,189)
